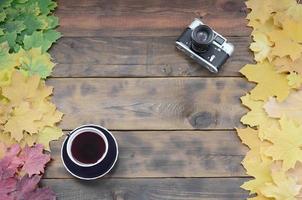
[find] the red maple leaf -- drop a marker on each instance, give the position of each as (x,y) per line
(10,163)
(34,159)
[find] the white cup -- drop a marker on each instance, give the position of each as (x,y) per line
(78,132)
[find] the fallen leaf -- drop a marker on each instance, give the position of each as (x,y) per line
(34,159)
(284,45)
(270,83)
(286,143)
(23,119)
(261,171)
(47,135)
(257,117)
(250,138)
(294,80)
(286,64)
(291,107)
(261,46)
(282,187)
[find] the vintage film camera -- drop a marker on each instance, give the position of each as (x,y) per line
(205,46)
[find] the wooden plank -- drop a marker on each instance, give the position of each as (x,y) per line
(169,154)
(151,189)
(149,18)
(150,103)
(136,57)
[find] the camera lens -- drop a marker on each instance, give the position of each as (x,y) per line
(201,37)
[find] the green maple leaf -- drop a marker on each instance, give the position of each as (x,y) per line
(29,7)
(20,1)
(34,61)
(40,39)
(10,38)
(7,60)
(31,22)
(52,22)
(2,15)
(46,6)
(5,3)
(11,13)
(13,26)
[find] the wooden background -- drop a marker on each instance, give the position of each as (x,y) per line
(174,121)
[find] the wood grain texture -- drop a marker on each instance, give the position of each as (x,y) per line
(149,18)
(136,57)
(150,103)
(169,154)
(151,189)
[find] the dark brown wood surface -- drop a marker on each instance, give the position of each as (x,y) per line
(117,66)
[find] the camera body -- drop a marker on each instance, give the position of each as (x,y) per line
(205,46)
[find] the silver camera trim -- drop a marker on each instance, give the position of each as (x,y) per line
(225,46)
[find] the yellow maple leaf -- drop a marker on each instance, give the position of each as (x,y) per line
(293,29)
(5,109)
(250,138)
(50,116)
(5,76)
(2,149)
(284,45)
(6,139)
(282,187)
(294,80)
(27,89)
(48,134)
(286,64)
(28,139)
(261,10)
(295,11)
(257,116)
(23,119)
(261,171)
(261,46)
(286,143)
(260,197)
(270,83)
(264,28)
(290,108)
(296,174)
(282,5)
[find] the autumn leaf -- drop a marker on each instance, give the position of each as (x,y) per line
(25,89)
(34,159)
(35,62)
(282,187)
(48,134)
(285,64)
(28,111)
(290,108)
(294,80)
(270,83)
(261,171)
(281,40)
(23,119)
(286,143)
(261,46)
(250,138)
(7,186)
(12,185)
(257,117)
(261,10)
(41,39)
(10,163)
